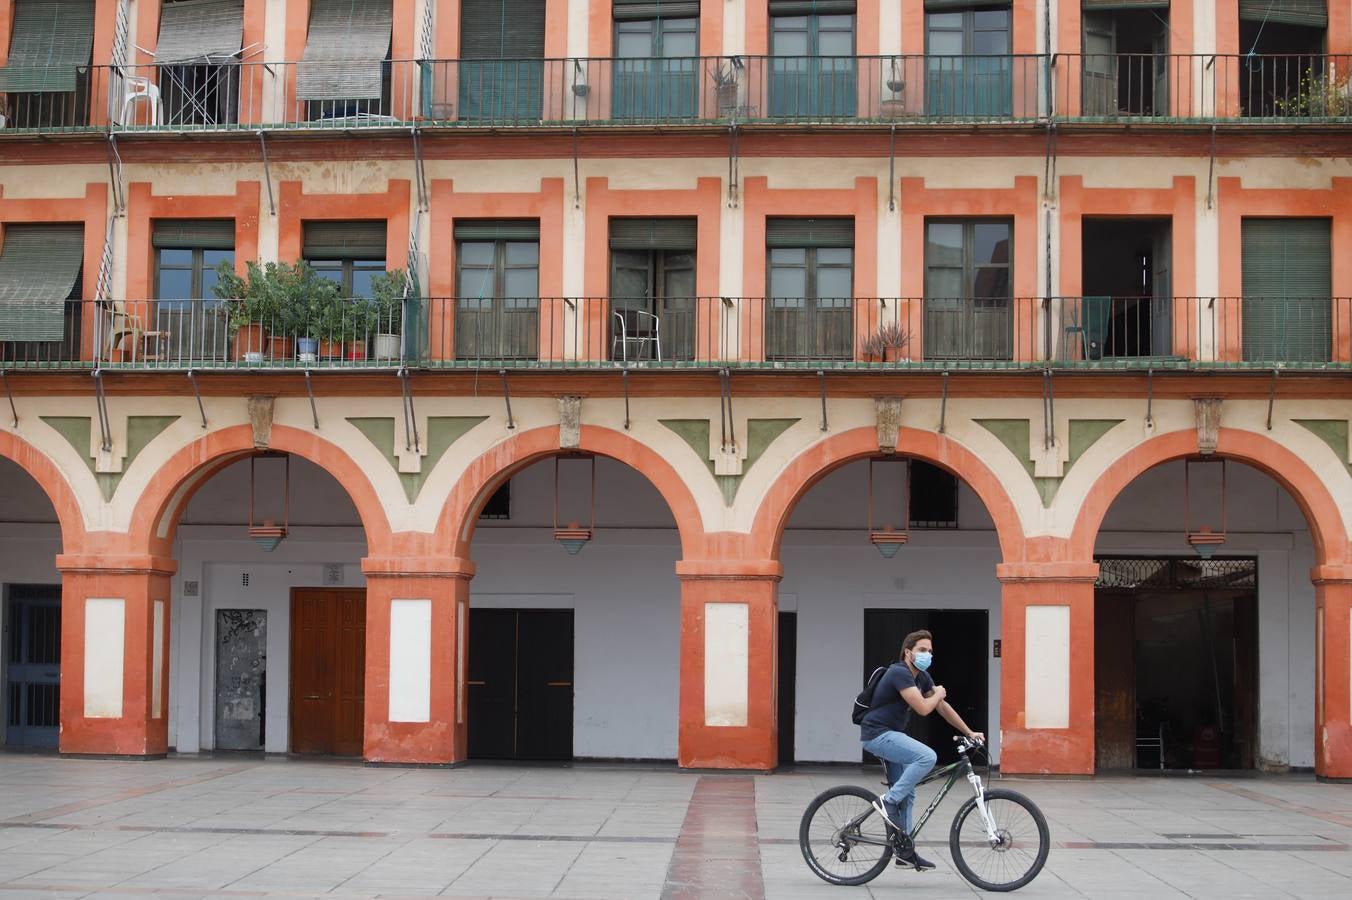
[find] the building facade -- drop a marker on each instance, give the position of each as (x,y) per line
(656,366)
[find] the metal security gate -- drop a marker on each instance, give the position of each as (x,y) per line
(33,657)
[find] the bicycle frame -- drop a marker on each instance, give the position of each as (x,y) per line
(963,767)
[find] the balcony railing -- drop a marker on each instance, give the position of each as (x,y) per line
(902,90)
(1312,333)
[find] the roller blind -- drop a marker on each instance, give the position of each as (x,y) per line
(502,29)
(1287,272)
(937,5)
(200,31)
(345,50)
(344,240)
(807,7)
(1124,4)
(39,266)
(190,234)
(497,230)
(809,233)
(49,39)
(653,234)
(1310,13)
(625,10)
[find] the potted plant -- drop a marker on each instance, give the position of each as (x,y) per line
(894,100)
(252,306)
(331,321)
(725,78)
(386,309)
(885,344)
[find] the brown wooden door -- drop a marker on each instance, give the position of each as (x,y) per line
(328,670)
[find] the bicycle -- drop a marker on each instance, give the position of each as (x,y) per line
(1008,831)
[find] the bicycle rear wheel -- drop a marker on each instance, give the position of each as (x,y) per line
(1021,848)
(843,839)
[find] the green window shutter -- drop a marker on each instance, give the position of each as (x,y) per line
(1288,283)
(502,29)
(345,50)
(1310,13)
(39,267)
(190,234)
(497,230)
(200,31)
(344,240)
(49,39)
(629,10)
(940,5)
(809,233)
(809,7)
(653,234)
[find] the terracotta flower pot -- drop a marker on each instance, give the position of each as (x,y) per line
(281,349)
(250,339)
(330,349)
(354,351)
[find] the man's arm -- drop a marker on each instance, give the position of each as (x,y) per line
(952,718)
(921,704)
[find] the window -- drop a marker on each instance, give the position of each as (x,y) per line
(813,72)
(968,66)
(345,71)
(968,309)
(40,288)
(934,496)
(810,268)
(656,59)
(45,81)
(502,48)
(197,60)
(1282,64)
(1288,284)
(499,505)
(350,253)
(652,288)
(1126,57)
(497,289)
(187,253)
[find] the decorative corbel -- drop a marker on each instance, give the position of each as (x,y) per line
(260,417)
(889,422)
(1208,423)
(570,422)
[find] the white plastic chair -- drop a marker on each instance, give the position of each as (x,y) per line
(137,87)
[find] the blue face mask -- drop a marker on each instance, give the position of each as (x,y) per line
(922,660)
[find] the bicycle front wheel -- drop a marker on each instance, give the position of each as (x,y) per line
(1019,851)
(843,839)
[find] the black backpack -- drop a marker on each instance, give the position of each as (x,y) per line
(863,702)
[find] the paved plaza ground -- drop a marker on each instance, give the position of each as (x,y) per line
(247,827)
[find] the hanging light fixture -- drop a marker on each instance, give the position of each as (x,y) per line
(1203,537)
(268,534)
(890,529)
(574,535)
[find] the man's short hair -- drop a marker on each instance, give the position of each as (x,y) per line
(912,639)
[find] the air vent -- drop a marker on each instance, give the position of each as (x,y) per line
(244,579)
(190,588)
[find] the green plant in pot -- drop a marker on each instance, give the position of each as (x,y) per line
(386,309)
(253,307)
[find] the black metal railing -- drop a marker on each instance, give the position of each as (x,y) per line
(899,89)
(1119,332)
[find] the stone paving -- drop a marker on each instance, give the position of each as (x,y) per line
(242,827)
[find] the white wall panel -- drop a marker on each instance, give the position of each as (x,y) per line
(410,660)
(104,649)
(1046,702)
(727,659)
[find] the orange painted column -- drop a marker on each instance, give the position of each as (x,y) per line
(417,629)
(1047,667)
(1333,672)
(729,616)
(115,654)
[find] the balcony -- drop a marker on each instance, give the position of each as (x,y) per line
(905,91)
(769,334)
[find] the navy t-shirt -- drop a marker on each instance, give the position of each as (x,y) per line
(889,712)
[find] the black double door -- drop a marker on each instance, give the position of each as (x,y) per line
(960,663)
(521,684)
(34,666)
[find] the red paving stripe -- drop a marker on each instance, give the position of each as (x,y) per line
(718,851)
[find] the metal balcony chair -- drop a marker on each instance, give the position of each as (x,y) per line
(637,328)
(1087,324)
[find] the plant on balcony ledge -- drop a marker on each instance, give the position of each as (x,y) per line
(1318,96)
(386,312)
(886,343)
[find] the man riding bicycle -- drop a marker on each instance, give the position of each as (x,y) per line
(906,686)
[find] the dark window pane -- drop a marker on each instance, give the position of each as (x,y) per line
(991,240)
(175,284)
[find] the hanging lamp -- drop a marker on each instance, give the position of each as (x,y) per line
(889,531)
(268,534)
(574,535)
(1203,537)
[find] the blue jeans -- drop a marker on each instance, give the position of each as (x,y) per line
(907,761)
